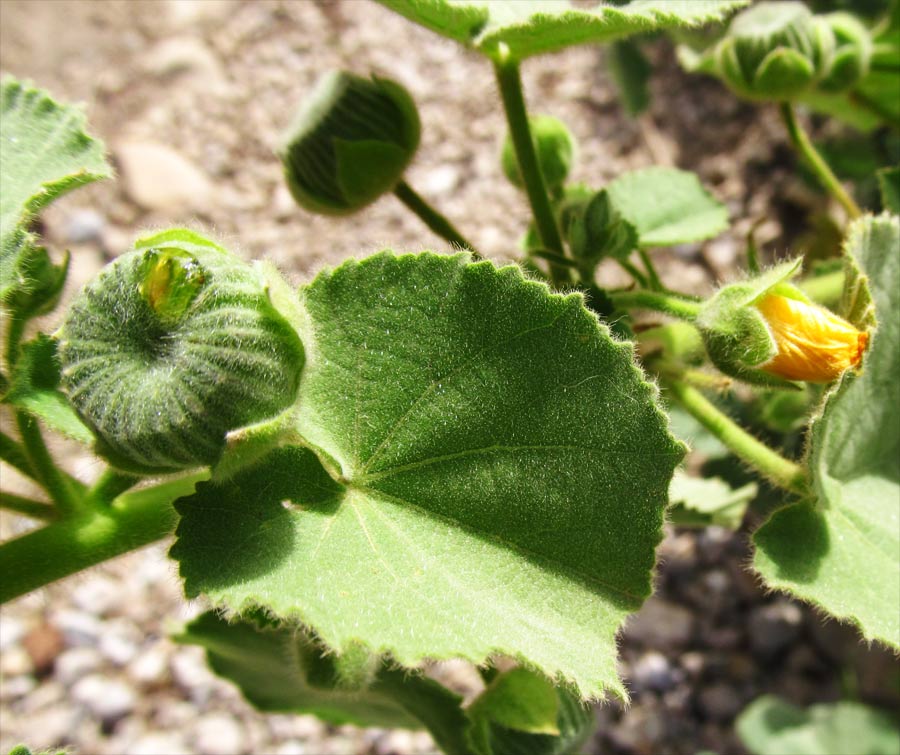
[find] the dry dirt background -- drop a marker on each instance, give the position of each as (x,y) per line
(190,97)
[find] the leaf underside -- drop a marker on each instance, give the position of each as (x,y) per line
(502,470)
(44,153)
(843,551)
(532,27)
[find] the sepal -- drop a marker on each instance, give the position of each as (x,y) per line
(349,143)
(554,146)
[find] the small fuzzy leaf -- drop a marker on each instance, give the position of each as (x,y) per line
(522,712)
(45,153)
(842,552)
(35,389)
(771,726)
(667,206)
(698,501)
(481,438)
(531,27)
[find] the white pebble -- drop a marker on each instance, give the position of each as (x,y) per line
(219,734)
(75,663)
(107,699)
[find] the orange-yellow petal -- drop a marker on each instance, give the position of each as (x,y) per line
(813,344)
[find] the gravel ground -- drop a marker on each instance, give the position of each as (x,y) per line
(191,97)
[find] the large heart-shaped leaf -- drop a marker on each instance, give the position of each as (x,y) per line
(843,551)
(45,153)
(529,27)
(493,478)
(667,206)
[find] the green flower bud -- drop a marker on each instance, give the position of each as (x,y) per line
(852,55)
(555,148)
(774,51)
(349,143)
(171,347)
(598,231)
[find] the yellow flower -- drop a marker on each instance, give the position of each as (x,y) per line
(813,344)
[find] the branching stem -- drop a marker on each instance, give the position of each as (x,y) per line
(781,471)
(805,147)
(27,506)
(47,474)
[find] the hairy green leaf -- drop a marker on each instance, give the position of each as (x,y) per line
(35,388)
(45,153)
(522,712)
(495,474)
(667,206)
(771,726)
(698,501)
(531,27)
(842,552)
(280,668)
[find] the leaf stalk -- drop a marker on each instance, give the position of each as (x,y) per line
(432,218)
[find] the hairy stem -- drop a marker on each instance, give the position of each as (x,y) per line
(805,147)
(432,218)
(656,301)
(652,276)
(50,477)
(781,471)
(510,83)
(27,506)
(638,276)
(90,537)
(109,486)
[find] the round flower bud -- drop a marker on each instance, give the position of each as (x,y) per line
(171,347)
(349,143)
(774,51)
(555,148)
(765,331)
(852,55)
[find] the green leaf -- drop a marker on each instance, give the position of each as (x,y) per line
(281,669)
(698,501)
(889,183)
(771,726)
(497,470)
(45,153)
(34,388)
(842,552)
(667,206)
(39,283)
(531,27)
(522,712)
(630,70)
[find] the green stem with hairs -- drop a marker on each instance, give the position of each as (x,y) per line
(653,278)
(90,537)
(109,486)
(509,81)
(432,218)
(656,301)
(47,474)
(781,471)
(805,147)
(638,276)
(14,455)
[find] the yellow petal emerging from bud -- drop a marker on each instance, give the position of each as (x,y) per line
(813,344)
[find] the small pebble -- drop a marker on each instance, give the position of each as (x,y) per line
(219,734)
(75,663)
(157,743)
(720,701)
(84,226)
(661,624)
(773,627)
(98,595)
(106,699)
(151,666)
(653,671)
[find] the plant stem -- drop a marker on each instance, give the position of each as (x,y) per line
(109,486)
(652,276)
(432,218)
(90,537)
(509,81)
(783,472)
(15,329)
(14,455)
(638,276)
(873,106)
(50,477)
(657,302)
(27,506)
(805,147)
